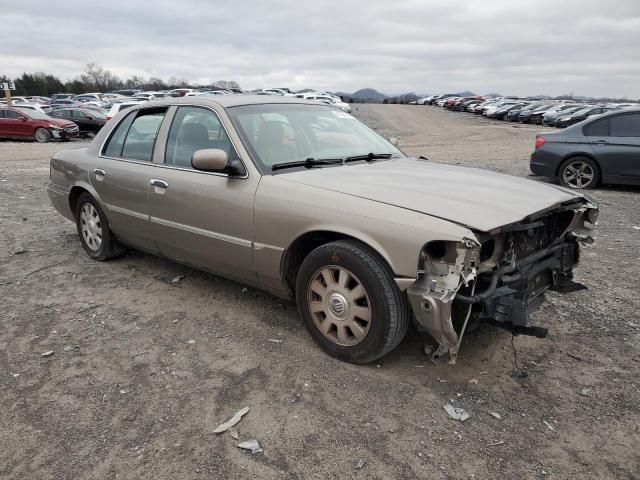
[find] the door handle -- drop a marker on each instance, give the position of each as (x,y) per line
(99,173)
(159,183)
(601,142)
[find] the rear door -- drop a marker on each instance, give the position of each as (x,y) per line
(123,174)
(203,218)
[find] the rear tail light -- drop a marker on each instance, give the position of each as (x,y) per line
(540,141)
(108,117)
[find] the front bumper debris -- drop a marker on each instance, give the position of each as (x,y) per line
(506,294)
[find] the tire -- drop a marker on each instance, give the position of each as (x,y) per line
(42,135)
(579,173)
(337,316)
(93,229)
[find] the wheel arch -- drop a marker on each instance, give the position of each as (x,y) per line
(306,242)
(77,190)
(574,155)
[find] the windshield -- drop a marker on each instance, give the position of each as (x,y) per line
(35,114)
(582,111)
(284,133)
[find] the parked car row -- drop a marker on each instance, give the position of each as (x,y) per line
(555,113)
(89,112)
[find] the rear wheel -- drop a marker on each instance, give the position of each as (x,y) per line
(349,302)
(42,135)
(579,173)
(93,229)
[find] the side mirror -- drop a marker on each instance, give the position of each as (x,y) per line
(393,141)
(210,160)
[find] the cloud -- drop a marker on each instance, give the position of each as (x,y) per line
(524,47)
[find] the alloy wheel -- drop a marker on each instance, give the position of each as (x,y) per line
(90,226)
(578,174)
(339,305)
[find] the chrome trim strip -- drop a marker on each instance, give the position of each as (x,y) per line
(263,246)
(126,211)
(200,231)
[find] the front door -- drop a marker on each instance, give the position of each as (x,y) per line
(123,173)
(203,218)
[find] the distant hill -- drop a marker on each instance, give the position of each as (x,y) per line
(466,93)
(365,94)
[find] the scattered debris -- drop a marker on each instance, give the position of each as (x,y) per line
(234,433)
(473,381)
(482,373)
(361,463)
(548,425)
(176,280)
(90,307)
(140,353)
(636,228)
(225,335)
(191,342)
(585,392)
(245,290)
(16,250)
(15,375)
(456,413)
(252,445)
(67,348)
(232,421)
(496,415)
(47,354)
(47,266)
(495,444)
(123,392)
(275,340)
(575,357)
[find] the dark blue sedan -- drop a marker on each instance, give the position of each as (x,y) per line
(601,149)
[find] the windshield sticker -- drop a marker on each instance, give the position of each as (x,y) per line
(341,114)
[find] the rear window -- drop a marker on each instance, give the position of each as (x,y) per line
(134,138)
(625,125)
(599,128)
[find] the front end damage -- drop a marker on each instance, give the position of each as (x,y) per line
(499,277)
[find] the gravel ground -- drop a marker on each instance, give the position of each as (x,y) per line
(142,371)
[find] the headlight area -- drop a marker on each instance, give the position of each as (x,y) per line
(55,130)
(445,267)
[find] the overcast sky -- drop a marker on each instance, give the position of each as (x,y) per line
(522,47)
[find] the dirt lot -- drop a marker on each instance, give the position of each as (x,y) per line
(142,371)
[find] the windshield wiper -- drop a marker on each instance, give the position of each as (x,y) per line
(308,163)
(369,157)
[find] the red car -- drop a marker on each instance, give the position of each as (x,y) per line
(21,123)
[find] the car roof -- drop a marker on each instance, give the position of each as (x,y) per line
(227,101)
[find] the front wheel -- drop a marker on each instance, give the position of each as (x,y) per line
(350,303)
(93,228)
(42,135)
(579,172)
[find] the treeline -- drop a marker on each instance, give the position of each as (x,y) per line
(97,79)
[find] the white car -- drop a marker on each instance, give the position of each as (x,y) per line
(88,97)
(116,107)
(149,95)
(34,106)
(345,107)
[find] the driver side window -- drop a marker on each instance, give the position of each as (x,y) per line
(193,129)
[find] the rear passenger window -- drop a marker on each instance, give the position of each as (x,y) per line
(193,129)
(625,125)
(599,128)
(135,136)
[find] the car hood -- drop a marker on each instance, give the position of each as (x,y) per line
(59,122)
(478,199)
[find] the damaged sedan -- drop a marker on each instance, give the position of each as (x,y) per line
(303,200)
